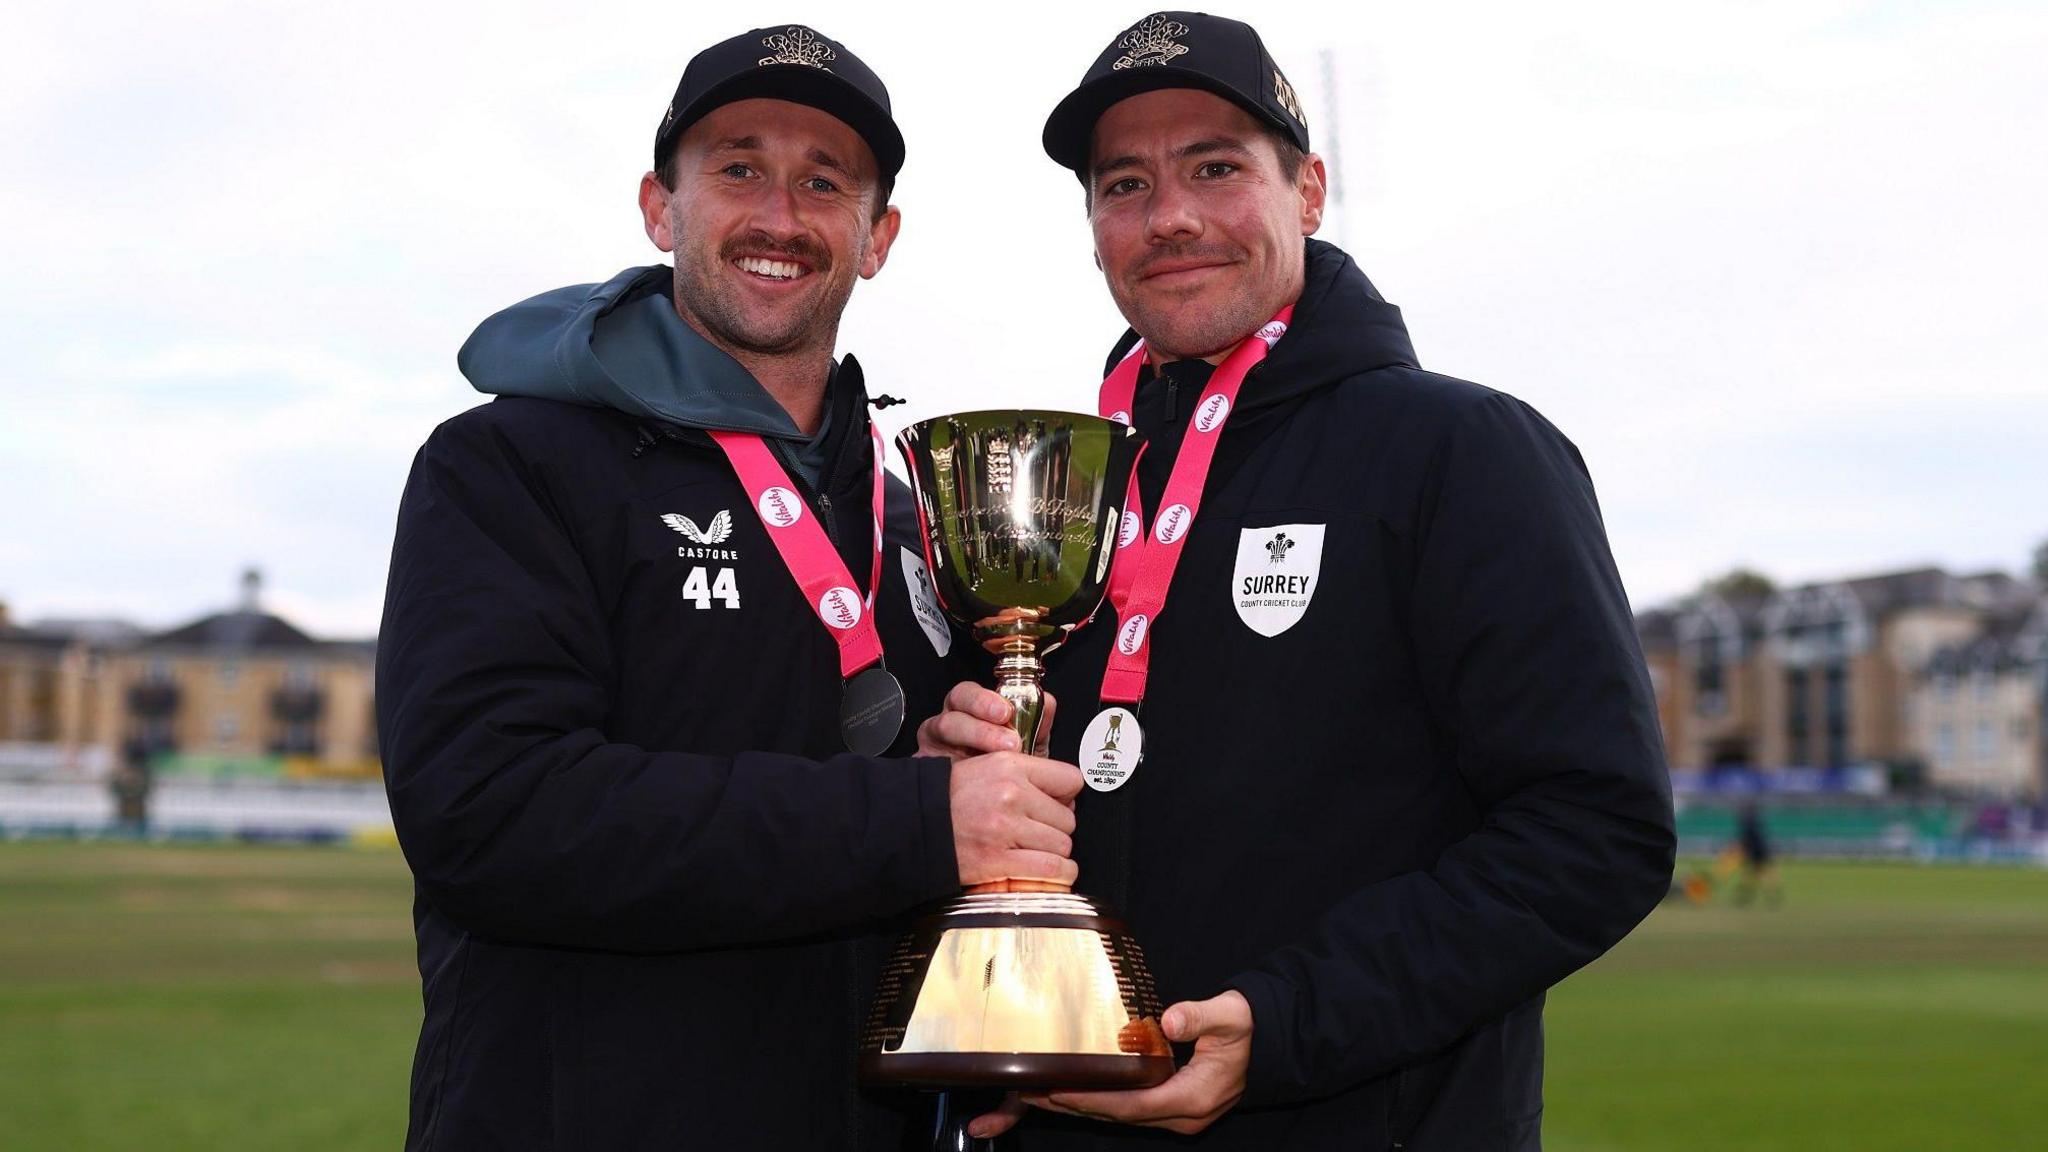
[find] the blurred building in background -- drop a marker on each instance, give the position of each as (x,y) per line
(1936,677)
(1719,687)
(236,693)
(245,692)
(56,695)
(1978,706)
(1904,713)
(1656,628)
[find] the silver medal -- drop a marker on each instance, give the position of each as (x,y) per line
(871,711)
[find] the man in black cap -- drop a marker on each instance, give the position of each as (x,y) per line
(1400,766)
(653,621)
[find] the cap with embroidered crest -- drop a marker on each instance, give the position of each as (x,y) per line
(1176,50)
(786,62)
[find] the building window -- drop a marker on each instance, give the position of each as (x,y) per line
(1796,648)
(1980,684)
(1710,696)
(229,673)
(1796,717)
(1836,682)
(299,675)
(226,728)
(1987,741)
(1945,746)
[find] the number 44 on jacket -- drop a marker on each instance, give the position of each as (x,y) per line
(700,588)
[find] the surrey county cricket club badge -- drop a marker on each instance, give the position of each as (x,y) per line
(1275,578)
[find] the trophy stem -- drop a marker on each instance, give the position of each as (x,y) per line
(1019,679)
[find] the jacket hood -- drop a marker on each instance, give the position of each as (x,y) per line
(1364,334)
(619,345)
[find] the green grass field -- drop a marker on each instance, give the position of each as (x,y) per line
(161,999)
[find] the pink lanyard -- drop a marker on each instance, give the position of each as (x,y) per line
(808,553)
(1145,563)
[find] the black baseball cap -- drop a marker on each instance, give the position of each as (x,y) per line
(1176,50)
(788,62)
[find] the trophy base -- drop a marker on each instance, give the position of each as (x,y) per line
(1017,989)
(1025,1071)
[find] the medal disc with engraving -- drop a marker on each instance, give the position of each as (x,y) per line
(871,711)
(1111,749)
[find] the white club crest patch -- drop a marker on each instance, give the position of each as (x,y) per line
(1277,571)
(924,602)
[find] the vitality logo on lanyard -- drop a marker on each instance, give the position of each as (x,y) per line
(1114,742)
(871,706)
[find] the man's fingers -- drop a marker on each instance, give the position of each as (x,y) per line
(1024,864)
(1187,1102)
(989,1125)
(1057,780)
(1005,824)
(1210,1084)
(1044,741)
(1226,1016)
(1154,1106)
(958,730)
(1039,838)
(975,720)
(1184,1021)
(982,703)
(1042,809)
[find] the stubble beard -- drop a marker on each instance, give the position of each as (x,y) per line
(1194,328)
(1198,324)
(715,306)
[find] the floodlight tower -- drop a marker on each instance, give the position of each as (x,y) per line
(1333,147)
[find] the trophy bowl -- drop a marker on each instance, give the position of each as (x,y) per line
(1019,511)
(1018,983)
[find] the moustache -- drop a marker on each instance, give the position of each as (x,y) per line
(1186,253)
(800,249)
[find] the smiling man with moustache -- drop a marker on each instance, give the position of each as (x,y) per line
(653,623)
(1401,769)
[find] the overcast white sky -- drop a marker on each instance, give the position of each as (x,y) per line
(1775,267)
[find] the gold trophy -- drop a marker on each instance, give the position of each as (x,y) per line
(1018,984)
